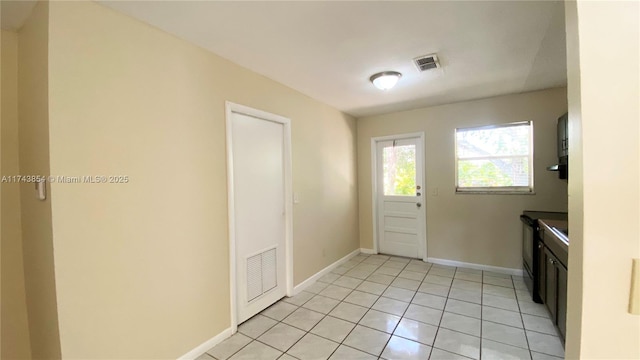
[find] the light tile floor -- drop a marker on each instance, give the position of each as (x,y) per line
(382,307)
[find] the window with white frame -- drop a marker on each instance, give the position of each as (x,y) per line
(496,158)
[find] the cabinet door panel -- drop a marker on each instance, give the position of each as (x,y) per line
(563,136)
(562,300)
(542,271)
(551,284)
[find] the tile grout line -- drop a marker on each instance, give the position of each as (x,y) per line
(342,301)
(408,304)
(394,278)
(324,316)
(252,339)
(349,333)
(435,336)
(402,316)
(365,314)
(439,326)
(371,308)
(306,332)
(368,308)
(281,321)
(444,310)
(524,327)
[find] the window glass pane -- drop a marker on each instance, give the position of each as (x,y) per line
(509,140)
(493,172)
(495,157)
(399,166)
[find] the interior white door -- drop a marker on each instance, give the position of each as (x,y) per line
(258,151)
(399,194)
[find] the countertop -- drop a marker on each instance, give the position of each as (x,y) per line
(549,215)
(556,237)
(559,228)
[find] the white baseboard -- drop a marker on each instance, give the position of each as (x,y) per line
(367,251)
(502,270)
(202,348)
(305,284)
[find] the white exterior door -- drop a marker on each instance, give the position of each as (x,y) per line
(400,197)
(259,223)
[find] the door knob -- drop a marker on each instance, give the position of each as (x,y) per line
(418,204)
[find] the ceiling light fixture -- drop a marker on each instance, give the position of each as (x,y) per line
(385,80)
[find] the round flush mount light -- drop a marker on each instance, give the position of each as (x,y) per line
(385,80)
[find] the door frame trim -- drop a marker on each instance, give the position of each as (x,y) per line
(374,187)
(231,108)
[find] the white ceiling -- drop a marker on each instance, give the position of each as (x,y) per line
(329,49)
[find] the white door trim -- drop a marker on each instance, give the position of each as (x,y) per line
(231,108)
(374,188)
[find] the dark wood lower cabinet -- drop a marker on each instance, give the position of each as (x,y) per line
(541,280)
(561,318)
(555,290)
(551,283)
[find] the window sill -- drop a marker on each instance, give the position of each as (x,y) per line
(494,192)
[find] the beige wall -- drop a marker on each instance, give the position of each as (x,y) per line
(142,268)
(481,229)
(604,201)
(575,189)
(15,329)
(34,160)
(0,186)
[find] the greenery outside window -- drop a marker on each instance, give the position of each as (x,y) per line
(496,158)
(399,169)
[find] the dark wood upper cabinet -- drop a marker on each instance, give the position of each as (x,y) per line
(563,135)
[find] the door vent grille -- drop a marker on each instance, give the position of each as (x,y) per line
(427,62)
(254,277)
(261,274)
(269,272)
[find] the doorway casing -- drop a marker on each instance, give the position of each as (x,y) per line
(231,108)
(374,187)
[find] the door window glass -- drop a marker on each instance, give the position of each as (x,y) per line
(399,170)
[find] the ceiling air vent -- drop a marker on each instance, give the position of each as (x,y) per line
(427,62)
